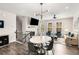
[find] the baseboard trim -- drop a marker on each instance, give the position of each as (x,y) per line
(10,43)
(19,42)
(3,46)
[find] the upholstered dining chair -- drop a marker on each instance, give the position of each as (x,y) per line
(49,47)
(32,49)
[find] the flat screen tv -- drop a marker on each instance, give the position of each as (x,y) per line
(1,24)
(34,21)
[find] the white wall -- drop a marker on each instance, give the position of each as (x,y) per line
(26,24)
(75,23)
(9,25)
(67,23)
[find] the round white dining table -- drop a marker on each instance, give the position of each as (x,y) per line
(40,39)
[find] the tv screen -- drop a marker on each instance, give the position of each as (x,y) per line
(1,24)
(34,21)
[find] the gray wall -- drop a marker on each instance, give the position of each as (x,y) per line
(18,29)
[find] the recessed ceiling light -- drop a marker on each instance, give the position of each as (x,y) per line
(66,7)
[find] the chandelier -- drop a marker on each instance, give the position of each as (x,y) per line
(41,14)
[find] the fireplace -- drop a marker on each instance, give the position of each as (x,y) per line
(4,40)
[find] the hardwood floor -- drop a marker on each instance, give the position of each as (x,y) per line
(62,49)
(14,49)
(22,49)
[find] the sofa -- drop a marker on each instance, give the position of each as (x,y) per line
(73,40)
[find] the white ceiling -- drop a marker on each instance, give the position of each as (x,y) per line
(31,9)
